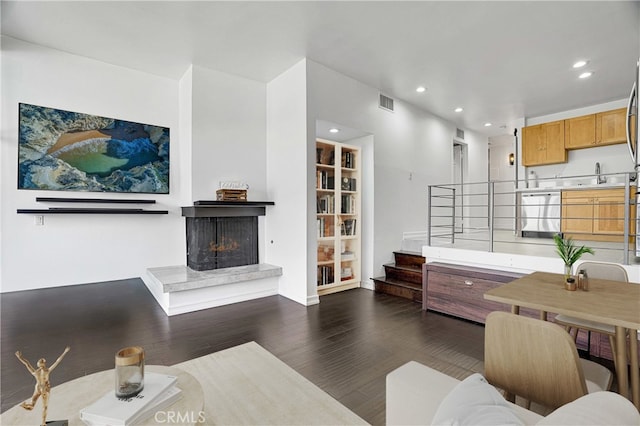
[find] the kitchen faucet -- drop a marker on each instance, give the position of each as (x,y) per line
(599,179)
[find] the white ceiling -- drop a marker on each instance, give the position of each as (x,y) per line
(500,60)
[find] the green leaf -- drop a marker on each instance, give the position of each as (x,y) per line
(568,251)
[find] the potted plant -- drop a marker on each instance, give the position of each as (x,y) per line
(569,252)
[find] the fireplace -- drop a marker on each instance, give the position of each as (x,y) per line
(222,234)
(221,242)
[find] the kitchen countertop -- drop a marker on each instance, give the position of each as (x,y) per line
(571,187)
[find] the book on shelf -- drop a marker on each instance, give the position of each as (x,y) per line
(347,204)
(325,204)
(159,392)
(348,227)
(324,180)
(347,255)
(348,160)
(325,227)
(325,275)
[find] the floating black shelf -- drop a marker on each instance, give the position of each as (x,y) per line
(65,210)
(93,200)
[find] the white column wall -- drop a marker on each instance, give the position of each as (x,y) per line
(290,181)
(185,106)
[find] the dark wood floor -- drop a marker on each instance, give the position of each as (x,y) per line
(345,345)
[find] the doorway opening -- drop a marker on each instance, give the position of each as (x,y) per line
(459,154)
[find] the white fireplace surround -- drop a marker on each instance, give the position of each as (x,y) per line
(180,289)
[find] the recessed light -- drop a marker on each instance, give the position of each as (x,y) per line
(334,130)
(580,64)
(458,109)
(585,74)
(487,124)
(420,89)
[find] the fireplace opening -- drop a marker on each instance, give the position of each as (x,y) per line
(221,242)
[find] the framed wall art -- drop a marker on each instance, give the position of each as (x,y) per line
(70,151)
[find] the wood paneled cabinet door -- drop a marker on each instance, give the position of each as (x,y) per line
(608,213)
(596,215)
(580,132)
(577,213)
(611,127)
(543,144)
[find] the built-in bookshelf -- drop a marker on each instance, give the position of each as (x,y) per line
(338,207)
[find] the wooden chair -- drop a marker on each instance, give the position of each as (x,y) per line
(538,361)
(607,271)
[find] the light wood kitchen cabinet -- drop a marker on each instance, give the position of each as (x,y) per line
(577,212)
(596,215)
(543,144)
(587,131)
(611,127)
(580,132)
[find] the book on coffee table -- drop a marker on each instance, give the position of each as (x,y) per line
(159,392)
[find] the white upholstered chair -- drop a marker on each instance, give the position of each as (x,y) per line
(607,271)
(538,361)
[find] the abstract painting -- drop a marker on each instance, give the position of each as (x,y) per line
(71,151)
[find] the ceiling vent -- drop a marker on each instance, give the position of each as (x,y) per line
(386,102)
(460,133)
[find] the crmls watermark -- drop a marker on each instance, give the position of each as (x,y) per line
(173,417)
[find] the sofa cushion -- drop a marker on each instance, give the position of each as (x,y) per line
(599,408)
(475,402)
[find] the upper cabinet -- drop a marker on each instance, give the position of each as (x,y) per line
(587,131)
(611,127)
(548,143)
(580,132)
(543,144)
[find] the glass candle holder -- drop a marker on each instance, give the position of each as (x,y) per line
(129,371)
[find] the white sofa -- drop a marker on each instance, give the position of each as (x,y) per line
(417,394)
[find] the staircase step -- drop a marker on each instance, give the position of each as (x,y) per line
(400,288)
(408,258)
(408,273)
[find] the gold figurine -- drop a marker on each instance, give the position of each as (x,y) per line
(43,386)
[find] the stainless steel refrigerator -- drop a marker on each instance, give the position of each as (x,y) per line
(632,140)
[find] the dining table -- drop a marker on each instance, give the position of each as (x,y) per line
(609,302)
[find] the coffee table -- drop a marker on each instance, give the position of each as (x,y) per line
(242,385)
(248,385)
(69,398)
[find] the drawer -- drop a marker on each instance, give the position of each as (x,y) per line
(459,291)
(461,296)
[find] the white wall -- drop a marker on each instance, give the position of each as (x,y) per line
(185,105)
(72,249)
(290,179)
(229,133)
(412,149)
(503,174)
(477,174)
